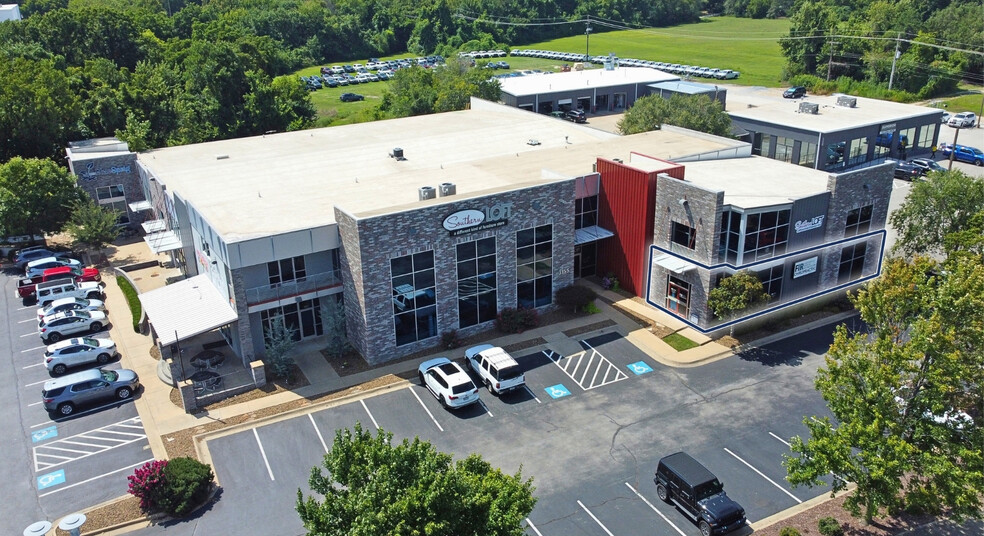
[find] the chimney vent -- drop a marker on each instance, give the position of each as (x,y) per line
(427,192)
(447,188)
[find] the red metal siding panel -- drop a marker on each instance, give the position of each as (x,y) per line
(626,207)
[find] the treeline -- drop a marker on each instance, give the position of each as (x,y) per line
(171,72)
(856,41)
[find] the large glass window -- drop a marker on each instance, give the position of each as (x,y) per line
(858,221)
(113,191)
(286,270)
(729,237)
(926,133)
(113,198)
(859,151)
(784,148)
(476,282)
(678,296)
(766,234)
(414,297)
(851,263)
(303,319)
(586,212)
(835,154)
(766,144)
(534,267)
(808,155)
(683,234)
(772,280)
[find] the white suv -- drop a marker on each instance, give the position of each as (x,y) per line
(60,356)
(497,369)
(56,327)
(448,382)
(962,120)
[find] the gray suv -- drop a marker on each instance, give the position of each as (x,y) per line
(62,395)
(683,481)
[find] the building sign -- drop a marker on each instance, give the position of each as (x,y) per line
(472,220)
(808,225)
(804,267)
(91,173)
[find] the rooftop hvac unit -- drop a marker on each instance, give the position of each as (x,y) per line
(809,108)
(847,102)
(397,153)
(427,192)
(447,188)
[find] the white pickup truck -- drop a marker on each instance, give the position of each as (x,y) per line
(496,368)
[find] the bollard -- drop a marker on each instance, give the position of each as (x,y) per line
(39,528)
(72,524)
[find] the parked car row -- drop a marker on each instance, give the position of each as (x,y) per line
(454,388)
(916,168)
(482,54)
(375,70)
(550,55)
(497,65)
(675,68)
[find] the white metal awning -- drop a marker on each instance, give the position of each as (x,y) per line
(140,205)
(674,264)
(591,234)
(154,226)
(163,241)
(186,308)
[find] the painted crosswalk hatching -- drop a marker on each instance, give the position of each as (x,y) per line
(62,451)
(588,369)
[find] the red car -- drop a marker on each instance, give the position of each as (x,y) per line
(79,274)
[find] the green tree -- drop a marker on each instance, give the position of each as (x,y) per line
(736,293)
(806,43)
(696,112)
(333,318)
(91,226)
(279,342)
(898,395)
(374,488)
(943,204)
(39,111)
(35,196)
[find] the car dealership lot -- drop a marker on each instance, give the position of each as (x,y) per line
(56,465)
(592,452)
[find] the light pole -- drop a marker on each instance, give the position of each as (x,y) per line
(587,40)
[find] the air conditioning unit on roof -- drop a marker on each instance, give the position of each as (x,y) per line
(847,102)
(809,108)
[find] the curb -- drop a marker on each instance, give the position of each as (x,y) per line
(839,317)
(799,508)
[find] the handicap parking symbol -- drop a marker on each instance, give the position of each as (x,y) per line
(557,391)
(640,367)
(51,479)
(44,433)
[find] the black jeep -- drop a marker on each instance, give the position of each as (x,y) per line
(686,483)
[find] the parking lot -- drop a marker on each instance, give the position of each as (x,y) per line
(589,428)
(56,465)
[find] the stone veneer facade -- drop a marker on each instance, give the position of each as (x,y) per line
(368,245)
(92,173)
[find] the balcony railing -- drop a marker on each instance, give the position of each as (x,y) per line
(289,289)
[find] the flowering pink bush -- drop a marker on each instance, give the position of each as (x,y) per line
(148,484)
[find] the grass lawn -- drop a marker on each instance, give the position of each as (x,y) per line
(679,342)
(969,102)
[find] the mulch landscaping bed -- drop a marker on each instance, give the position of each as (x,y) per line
(806,522)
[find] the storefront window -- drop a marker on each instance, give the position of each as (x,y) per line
(678,296)
(109,192)
(851,263)
(926,133)
(859,151)
(729,237)
(302,319)
(808,155)
(766,145)
(858,221)
(835,154)
(534,267)
(585,260)
(766,234)
(772,280)
(414,297)
(476,282)
(286,270)
(586,212)
(784,148)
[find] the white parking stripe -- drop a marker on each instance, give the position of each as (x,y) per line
(82,444)
(604,528)
(95,478)
(655,510)
(35,404)
(120,433)
(32,366)
(28,320)
(316,429)
(53,456)
(33,349)
(537,401)
(263,452)
(31,334)
(66,450)
(37,383)
(431,415)
(773,482)
(373,419)
(486,408)
(532,526)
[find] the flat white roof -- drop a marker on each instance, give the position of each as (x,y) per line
(266,185)
(767,104)
(186,308)
(587,80)
(756,181)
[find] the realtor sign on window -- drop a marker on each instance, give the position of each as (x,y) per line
(804,267)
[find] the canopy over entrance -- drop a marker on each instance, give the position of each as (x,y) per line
(186,308)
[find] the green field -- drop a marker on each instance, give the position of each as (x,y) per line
(746,45)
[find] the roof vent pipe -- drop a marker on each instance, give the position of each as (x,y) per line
(426,192)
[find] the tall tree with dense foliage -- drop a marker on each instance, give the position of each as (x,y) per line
(696,112)
(35,196)
(943,204)
(40,113)
(90,225)
(372,487)
(901,395)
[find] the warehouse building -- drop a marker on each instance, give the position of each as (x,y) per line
(591,90)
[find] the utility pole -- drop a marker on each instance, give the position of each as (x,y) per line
(587,40)
(953,149)
(891,77)
(830,60)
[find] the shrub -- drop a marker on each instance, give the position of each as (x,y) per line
(450,340)
(147,484)
(132,300)
(610,282)
(789,531)
(922,501)
(516,320)
(591,309)
(576,297)
(187,482)
(829,526)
